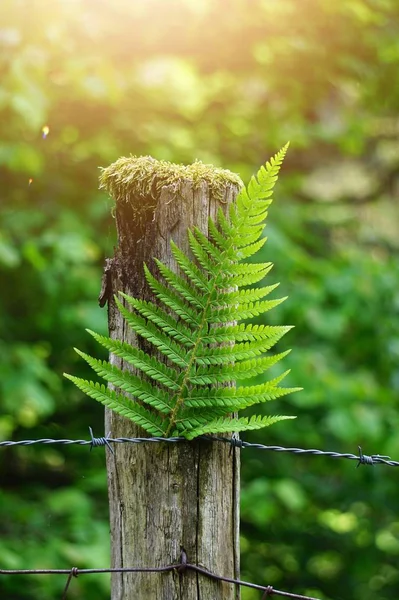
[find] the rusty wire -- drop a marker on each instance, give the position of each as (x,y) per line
(180,567)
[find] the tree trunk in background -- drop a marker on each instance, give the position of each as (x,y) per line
(164,497)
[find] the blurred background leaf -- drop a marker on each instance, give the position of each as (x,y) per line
(227,84)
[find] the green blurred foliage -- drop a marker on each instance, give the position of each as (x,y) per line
(227,83)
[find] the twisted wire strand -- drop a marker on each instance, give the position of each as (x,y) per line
(179,567)
(362,459)
(234,442)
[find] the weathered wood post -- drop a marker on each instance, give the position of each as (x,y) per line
(164,497)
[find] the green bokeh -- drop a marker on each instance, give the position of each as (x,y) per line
(181,81)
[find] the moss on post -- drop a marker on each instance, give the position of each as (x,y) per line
(143,177)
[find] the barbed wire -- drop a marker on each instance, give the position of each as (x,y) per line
(234,442)
(94,442)
(180,567)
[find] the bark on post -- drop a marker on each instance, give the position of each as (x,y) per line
(164,497)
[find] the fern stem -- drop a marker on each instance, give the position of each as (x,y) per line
(180,397)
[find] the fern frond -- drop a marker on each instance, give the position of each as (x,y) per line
(202,256)
(217,236)
(234,399)
(196,417)
(219,355)
(194,274)
(251,236)
(225,226)
(158,317)
(195,326)
(251,249)
(247,268)
(245,296)
(239,371)
(242,279)
(244,333)
(173,301)
(243,311)
(170,348)
(130,383)
(120,404)
(181,286)
(214,252)
(149,365)
(258,218)
(227,425)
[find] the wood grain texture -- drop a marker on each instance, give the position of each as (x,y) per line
(163,497)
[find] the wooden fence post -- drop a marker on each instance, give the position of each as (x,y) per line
(164,497)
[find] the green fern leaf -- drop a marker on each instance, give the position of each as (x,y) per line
(130,383)
(243,333)
(228,281)
(246,268)
(213,251)
(160,319)
(238,398)
(194,274)
(160,340)
(173,301)
(135,412)
(149,365)
(219,355)
(241,239)
(201,255)
(217,236)
(251,249)
(195,328)
(243,311)
(225,226)
(245,296)
(181,286)
(239,371)
(191,418)
(227,425)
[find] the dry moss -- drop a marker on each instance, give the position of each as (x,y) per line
(142,178)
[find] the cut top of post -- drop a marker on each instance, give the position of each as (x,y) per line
(143,177)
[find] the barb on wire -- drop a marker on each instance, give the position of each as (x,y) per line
(73,573)
(180,567)
(362,459)
(101,441)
